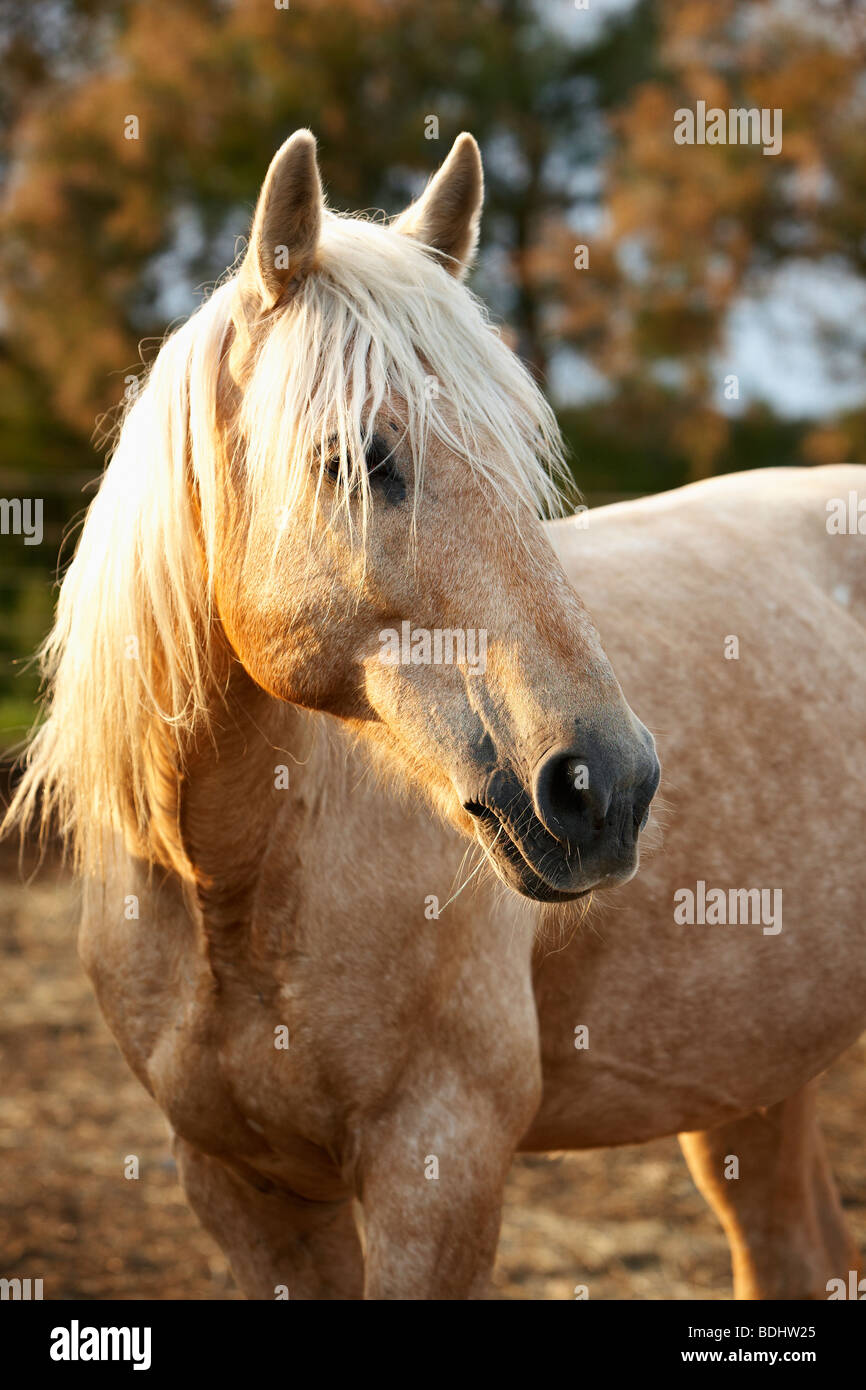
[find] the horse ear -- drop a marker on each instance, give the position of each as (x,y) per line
(287,221)
(447,215)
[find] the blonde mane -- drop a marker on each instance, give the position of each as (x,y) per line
(128,668)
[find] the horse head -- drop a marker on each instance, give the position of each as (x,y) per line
(380,552)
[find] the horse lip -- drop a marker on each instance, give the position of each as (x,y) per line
(510,849)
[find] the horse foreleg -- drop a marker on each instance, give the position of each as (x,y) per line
(777,1203)
(432,1200)
(278,1245)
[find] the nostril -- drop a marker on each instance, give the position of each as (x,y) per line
(580,797)
(566,801)
(569,777)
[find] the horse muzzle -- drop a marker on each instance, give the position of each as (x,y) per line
(578,825)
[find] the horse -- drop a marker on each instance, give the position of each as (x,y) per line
(364,914)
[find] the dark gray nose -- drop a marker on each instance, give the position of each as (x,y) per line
(594,798)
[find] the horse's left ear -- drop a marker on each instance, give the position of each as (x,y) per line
(447,215)
(287,222)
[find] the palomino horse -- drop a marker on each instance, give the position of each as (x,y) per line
(311,606)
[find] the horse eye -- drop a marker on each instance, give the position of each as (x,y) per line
(381,470)
(377,456)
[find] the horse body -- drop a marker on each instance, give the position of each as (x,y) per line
(446,1026)
(271,812)
(690,1025)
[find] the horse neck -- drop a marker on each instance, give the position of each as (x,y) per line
(233,797)
(256,794)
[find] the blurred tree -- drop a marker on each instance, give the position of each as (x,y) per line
(691,228)
(134,178)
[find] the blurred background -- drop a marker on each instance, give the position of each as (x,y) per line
(703,261)
(134,135)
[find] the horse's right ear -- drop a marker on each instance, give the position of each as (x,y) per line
(286,224)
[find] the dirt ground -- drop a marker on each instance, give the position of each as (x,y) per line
(627,1223)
